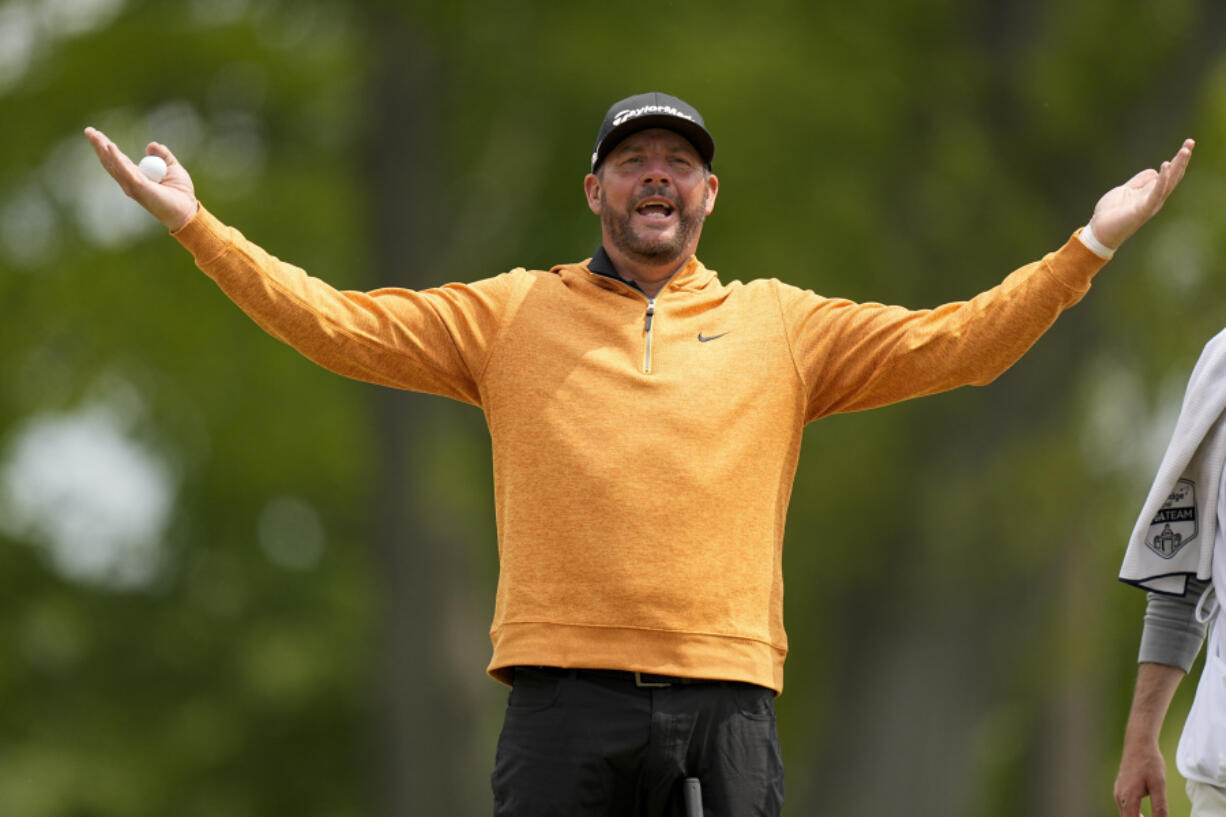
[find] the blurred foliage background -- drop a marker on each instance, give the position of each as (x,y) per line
(232,583)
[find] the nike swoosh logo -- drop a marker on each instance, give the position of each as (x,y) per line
(704,338)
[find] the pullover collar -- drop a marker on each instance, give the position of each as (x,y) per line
(691,275)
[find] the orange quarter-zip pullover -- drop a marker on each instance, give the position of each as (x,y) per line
(644,449)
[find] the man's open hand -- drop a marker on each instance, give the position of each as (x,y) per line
(171,201)
(1123,210)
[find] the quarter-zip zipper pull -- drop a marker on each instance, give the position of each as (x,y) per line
(651,312)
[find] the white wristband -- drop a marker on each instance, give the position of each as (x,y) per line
(1094,245)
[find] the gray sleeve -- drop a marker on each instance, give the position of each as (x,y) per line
(1171,634)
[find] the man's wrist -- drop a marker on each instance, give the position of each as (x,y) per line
(1093,244)
(177,221)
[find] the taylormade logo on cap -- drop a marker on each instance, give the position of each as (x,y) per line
(652,110)
(622,116)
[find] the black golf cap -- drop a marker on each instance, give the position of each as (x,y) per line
(652,110)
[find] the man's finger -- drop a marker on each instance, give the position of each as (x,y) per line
(102,147)
(1184,154)
(1126,803)
(121,168)
(158,149)
(1157,798)
(1169,177)
(1161,188)
(1174,169)
(1180,163)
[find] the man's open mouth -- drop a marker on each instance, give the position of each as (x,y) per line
(655,208)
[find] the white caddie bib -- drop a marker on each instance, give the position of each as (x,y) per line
(1202,746)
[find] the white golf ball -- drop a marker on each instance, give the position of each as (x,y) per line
(154,167)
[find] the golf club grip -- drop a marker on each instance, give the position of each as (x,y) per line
(693,797)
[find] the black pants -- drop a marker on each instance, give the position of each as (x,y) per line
(590,743)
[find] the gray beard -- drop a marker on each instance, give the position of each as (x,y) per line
(651,250)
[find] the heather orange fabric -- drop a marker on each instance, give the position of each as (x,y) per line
(642,479)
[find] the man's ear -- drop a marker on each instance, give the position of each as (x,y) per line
(591,188)
(712,192)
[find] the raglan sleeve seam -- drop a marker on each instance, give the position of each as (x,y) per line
(806,397)
(521,282)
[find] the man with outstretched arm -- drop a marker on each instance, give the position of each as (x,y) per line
(645,419)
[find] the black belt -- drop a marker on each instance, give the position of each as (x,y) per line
(642,680)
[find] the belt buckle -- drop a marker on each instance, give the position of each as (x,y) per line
(641,684)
